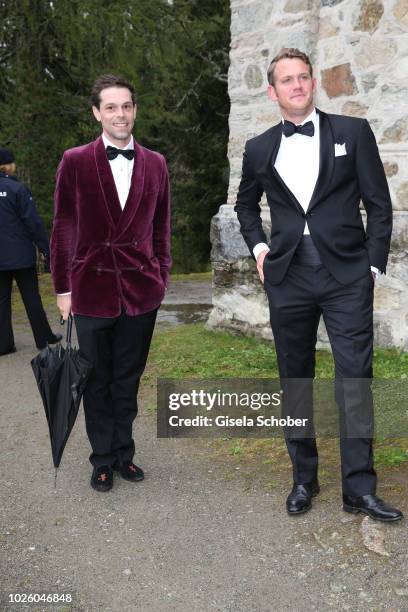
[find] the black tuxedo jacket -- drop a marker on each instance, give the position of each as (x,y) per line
(346,249)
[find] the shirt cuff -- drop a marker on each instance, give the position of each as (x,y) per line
(376,271)
(258,248)
(69,293)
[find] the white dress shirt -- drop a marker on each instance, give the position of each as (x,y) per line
(122,169)
(298,163)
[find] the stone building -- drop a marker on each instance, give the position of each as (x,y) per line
(359,49)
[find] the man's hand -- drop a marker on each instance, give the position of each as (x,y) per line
(64,305)
(45,262)
(259,264)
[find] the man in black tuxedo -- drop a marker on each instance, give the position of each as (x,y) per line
(315,168)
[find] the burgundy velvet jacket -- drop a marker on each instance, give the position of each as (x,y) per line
(108,258)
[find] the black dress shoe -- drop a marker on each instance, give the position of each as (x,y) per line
(300,498)
(102,478)
(129,471)
(372,505)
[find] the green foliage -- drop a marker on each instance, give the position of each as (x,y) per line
(235,449)
(192,351)
(176,54)
(390,363)
(390,456)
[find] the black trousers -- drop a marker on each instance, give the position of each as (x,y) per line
(118,348)
(306,293)
(27,282)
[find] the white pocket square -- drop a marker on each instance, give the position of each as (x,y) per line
(340,149)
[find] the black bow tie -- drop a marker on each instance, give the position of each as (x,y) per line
(113,152)
(290,128)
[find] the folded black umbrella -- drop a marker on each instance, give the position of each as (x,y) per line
(61,375)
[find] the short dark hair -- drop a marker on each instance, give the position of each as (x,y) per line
(110,80)
(287,53)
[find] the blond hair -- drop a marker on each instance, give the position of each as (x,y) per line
(287,53)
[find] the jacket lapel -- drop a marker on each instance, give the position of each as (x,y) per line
(326,166)
(276,138)
(135,191)
(107,183)
(274,143)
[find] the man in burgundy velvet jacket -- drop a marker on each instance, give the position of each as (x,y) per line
(110,261)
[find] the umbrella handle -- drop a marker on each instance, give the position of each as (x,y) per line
(69,328)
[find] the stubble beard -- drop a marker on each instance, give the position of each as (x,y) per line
(121,136)
(302,111)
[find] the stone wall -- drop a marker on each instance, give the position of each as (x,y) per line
(360,53)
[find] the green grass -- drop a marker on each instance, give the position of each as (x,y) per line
(390,363)
(390,456)
(191,351)
(235,449)
(193,276)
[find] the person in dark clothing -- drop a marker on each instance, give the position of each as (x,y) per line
(315,168)
(21,229)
